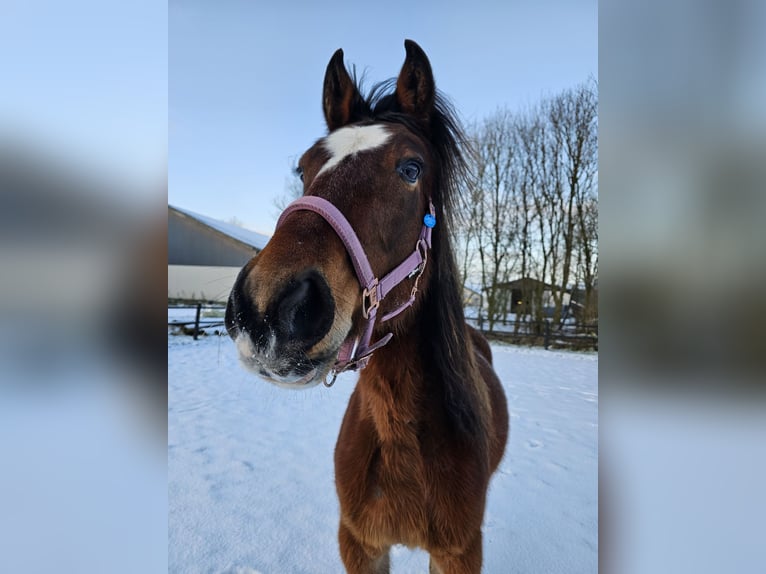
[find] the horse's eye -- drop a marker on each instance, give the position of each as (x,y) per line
(410,170)
(299,172)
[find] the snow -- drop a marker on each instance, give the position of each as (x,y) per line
(253,238)
(82,478)
(684,474)
(250,467)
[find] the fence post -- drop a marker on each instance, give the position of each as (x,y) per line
(196,321)
(547,334)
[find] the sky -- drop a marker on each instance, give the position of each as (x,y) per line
(85,84)
(245,79)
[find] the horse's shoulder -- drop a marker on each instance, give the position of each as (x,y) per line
(480,343)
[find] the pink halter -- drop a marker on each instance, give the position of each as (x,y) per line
(356,352)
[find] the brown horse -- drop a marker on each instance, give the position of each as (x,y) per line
(356,261)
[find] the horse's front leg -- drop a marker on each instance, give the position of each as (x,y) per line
(359,558)
(467,562)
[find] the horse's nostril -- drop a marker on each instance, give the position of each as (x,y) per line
(240,310)
(306,310)
(229,317)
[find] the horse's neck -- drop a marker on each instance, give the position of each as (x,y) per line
(394,386)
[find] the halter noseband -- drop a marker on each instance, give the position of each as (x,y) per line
(356,352)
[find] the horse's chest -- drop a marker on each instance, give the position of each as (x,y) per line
(393,496)
(394,480)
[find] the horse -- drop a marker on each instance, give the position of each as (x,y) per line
(360,274)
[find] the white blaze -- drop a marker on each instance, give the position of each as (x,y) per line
(347,141)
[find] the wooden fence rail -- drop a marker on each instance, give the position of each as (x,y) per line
(569,336)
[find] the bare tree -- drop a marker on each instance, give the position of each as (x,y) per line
(490,233)
(525,130)
(573,116)
(533,205)
(234,220)
(468,223)
(587,267)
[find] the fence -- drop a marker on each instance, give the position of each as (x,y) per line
(574,336)
(206,316)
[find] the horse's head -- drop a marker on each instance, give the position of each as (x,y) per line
(297,302)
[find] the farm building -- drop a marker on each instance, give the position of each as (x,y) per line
(521,295)
(472,296)
(205,255)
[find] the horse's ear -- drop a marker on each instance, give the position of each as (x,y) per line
(340,99)
(415,88)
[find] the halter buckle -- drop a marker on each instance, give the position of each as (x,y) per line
(422,246)
(370,301)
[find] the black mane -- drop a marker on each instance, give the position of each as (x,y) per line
(449,340)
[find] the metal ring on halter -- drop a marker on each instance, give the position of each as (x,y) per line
(332,381)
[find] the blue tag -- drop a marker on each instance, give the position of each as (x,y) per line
(429,220)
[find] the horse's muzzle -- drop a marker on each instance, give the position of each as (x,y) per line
(275,341)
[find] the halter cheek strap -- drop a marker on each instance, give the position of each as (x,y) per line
(355,352)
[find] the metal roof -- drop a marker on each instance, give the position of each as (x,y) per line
(251,238)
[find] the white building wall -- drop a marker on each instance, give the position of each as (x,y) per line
(201,282)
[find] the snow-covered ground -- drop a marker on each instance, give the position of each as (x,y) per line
(250,468)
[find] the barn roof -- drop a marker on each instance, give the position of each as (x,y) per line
(252,238)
